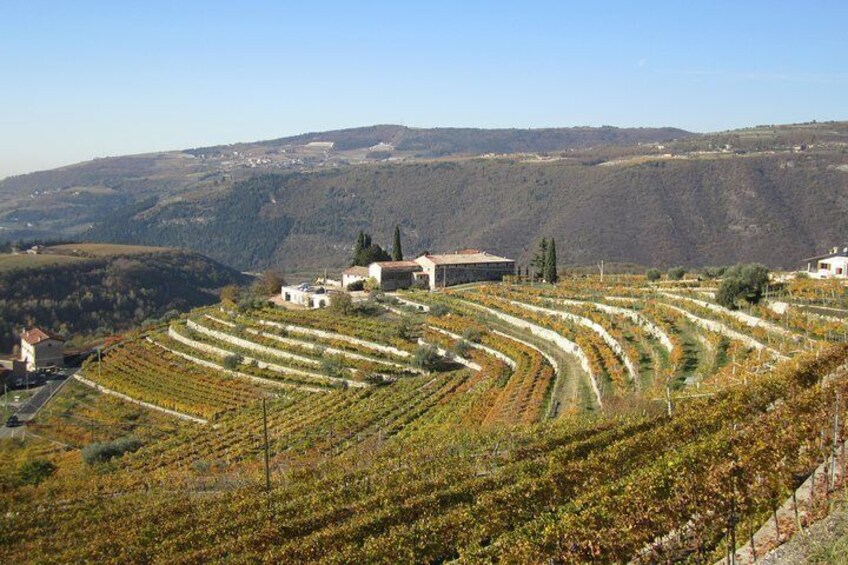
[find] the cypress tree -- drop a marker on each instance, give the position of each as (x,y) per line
(366,252)
(397,252)
(551,263)
(540,259)
(358,248)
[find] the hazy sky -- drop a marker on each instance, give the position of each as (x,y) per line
(82,79)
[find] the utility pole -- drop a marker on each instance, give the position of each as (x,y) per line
(267,451)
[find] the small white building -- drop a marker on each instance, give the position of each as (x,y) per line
(306,295)
(830,265)
(40,349)
(354,274)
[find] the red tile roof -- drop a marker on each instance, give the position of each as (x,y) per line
(37,335)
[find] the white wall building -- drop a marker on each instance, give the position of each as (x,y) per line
(830,265)
(306,296)
(40,349)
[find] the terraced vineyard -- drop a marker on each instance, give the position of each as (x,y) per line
(511,423)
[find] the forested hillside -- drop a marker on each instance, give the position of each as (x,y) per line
(773,207)
(773,194)
(68,200)
(99,293)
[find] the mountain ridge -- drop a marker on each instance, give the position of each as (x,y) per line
(768,193)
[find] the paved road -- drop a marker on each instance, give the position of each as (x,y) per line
(31,406)
(34,403)
(6,432)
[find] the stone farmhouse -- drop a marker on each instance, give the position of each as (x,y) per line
(829,265)
(460,267)
(41,349)
(437,271)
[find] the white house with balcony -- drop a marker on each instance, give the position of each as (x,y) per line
(833,265)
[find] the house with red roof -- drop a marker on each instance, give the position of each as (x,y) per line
(41,349)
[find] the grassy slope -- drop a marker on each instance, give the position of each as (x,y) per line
(9,262)
(72,253)
(79,415)
(103,249)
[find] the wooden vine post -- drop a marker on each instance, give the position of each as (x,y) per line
(835,441)
(267,450)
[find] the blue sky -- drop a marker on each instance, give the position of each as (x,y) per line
(84,79)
